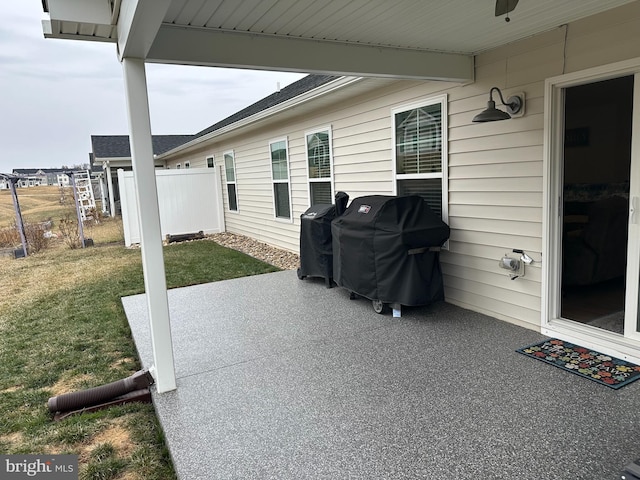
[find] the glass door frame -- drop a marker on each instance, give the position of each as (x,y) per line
(632,302)
(627,346)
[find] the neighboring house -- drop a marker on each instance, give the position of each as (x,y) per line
(62,180)
(541,183)
(111,152)
(33,177)
(30,177)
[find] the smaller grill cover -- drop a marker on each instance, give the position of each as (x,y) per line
(316,256)
(377,246)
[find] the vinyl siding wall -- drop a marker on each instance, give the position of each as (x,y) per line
(495,169)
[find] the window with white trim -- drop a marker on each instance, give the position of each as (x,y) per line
(280,178)
(230,174)
(210,162)
(320,166)
(187,164)
(420,153)
(178,166)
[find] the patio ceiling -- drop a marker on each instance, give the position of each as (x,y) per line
(427,39)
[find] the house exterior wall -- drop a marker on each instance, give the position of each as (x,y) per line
(495,170)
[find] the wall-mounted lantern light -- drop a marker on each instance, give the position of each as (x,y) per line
(514,104)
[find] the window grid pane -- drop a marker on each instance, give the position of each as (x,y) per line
(320,192)
(281,195)
(279,166)
(231,193)
(319,155)
(419,140)
(429,188)
(229,168)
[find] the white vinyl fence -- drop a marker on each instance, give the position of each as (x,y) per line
(190,200)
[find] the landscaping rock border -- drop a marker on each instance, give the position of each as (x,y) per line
(277,257)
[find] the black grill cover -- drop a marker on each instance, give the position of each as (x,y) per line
(316,256)
(381,249)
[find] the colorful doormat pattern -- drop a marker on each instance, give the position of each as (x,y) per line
(596,366)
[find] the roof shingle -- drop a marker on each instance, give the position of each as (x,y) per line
(117,146)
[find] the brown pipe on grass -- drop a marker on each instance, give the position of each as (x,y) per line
(103,393)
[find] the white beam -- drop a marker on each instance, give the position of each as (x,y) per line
(138,24)
(149,215)
(199,46)
(80,11)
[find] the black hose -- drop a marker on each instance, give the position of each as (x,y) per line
(96,395)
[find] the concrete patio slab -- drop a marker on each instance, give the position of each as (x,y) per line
(284,379)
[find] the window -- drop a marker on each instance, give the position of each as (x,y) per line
(320,166)
(187,164)
(178,166)
(420,153)
(210,163)
(280,178)
(230,173)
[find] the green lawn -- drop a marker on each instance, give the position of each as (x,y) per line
(63,328)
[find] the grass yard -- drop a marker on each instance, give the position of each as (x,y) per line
(37,204)
(43,204)
(63,328)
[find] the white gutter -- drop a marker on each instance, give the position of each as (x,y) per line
(269,112)
(118,162)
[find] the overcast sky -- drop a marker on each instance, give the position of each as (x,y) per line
(55,94)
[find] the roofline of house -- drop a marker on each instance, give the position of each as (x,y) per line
(116,163)
(104,160)
(322,90)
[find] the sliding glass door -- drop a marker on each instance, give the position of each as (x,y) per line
(593,204)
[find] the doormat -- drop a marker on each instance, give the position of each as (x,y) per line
(595,366)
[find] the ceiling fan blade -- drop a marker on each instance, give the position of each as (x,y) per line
(505,6)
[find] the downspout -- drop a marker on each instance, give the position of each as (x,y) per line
(94,396)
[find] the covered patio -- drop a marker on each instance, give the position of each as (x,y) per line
(282,378)
(404,40)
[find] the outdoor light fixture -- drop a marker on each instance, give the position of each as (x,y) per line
(514,104)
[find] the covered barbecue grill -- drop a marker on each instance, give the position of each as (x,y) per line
(316,254)
(387,249)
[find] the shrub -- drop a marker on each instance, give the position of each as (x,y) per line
(35,235)
(9,237)
(70,231)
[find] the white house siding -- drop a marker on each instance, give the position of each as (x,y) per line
(495,169)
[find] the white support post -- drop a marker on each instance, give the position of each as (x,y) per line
(149,215)
(103,195)
(112,202)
